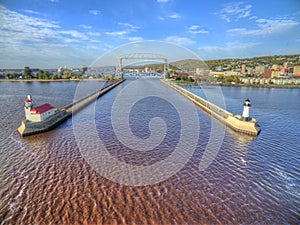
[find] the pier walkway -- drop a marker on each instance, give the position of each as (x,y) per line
(235,122)
(28,128)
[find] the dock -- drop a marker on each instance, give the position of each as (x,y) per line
(235,122)
(28,128)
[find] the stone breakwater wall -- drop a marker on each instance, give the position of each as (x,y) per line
(28,128)
(235,122)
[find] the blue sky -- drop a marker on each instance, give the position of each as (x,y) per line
(51,33)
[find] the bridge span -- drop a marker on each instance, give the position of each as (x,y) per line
(142,59)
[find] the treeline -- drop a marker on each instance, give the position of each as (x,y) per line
(234,63)
(42,75)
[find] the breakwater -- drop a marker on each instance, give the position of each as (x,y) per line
(235,122)
(28,128)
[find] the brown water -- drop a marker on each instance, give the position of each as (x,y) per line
(50,179)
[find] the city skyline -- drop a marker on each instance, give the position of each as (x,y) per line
(46,34)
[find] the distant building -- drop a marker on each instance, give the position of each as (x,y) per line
(60,70)
(216,73)
(267,73)
(201,72)
(275,67)
(83,69)
(297,71)
(243,71)
(231,73)
(198,71)
(261,69)
(250,70)
(275,74)
(286,64)
(219,68)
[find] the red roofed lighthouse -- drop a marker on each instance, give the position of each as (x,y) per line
(39,113)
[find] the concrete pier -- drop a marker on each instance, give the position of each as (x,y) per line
(235,122)
(28,128)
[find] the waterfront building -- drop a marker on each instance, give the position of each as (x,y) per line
(275,74)
(297,71)
(267,73)
(39,113)
(216,73)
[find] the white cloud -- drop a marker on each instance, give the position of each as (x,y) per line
(87,27)
(171,16)
(31,11)
(195,29)
(134,39)
(75,34)
(70,40)
(253,18)
(267,27)
(162,1)
(298,40)
(180,40)
(175,16)
(97,34)
(127,29)
(35,39)
(95,12)
(235,10)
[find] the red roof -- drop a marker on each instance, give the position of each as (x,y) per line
(41,109)
(27,100)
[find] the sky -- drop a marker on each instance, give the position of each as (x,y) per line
(53,33)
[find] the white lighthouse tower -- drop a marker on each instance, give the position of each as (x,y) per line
(28,106)
(246,111)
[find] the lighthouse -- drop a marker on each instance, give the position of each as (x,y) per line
(246,111)
(28,106)
(39,113)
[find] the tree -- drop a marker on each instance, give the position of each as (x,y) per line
(167,75)
(191,79)
(40,74)
(220,78)
(27,72)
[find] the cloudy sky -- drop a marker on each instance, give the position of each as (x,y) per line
(51,33)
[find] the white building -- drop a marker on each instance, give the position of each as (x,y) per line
(39,113)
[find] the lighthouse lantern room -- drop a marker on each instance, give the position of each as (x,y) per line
(39,113)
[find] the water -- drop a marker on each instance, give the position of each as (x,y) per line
(51,178)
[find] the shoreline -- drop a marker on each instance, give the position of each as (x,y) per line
(50,80)
(286,86)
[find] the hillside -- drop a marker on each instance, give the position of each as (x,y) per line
(230,63)
(188,64)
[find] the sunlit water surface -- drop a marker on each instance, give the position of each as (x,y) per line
(44,179)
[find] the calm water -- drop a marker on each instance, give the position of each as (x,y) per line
(52,178)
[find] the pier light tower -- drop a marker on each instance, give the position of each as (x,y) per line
(28,106)
(246,111)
